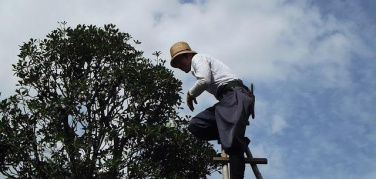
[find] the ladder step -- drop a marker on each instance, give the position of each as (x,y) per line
(247,160)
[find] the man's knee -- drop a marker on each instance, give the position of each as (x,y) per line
(192,128)
(204,133)
(195,130)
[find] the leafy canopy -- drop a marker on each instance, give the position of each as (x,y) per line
(88,105)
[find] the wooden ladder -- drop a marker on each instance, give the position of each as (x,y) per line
(224,159)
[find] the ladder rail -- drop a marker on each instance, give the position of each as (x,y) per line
(254,167)
(225,172)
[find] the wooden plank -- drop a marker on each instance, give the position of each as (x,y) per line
(247,160)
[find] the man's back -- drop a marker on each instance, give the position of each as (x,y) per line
(210,73)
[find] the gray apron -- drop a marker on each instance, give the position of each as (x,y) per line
(225,121)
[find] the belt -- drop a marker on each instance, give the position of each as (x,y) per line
(223,89)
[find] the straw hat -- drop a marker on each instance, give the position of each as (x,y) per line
(177,49)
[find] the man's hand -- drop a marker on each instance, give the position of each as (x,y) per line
(190,100)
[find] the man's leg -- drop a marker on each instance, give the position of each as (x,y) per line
(237,160)
(237,164)
(204,126)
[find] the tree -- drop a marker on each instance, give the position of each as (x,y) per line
(88,105)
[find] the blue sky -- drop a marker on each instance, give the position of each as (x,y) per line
(312,62)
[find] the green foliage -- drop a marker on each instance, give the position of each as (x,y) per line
(90,106)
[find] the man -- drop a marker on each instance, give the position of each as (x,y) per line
(226,120)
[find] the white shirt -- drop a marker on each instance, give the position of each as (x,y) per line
(210,74)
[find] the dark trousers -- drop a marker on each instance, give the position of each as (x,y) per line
(226,121)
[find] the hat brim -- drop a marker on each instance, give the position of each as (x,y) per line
(173,59)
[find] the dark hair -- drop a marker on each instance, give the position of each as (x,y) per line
(184,54)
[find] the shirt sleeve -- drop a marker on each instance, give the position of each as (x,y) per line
(202,72)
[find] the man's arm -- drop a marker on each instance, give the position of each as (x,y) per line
(202,72)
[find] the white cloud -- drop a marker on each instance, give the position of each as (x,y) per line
(313,67)
(278,124)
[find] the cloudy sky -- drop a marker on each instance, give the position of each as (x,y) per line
(312,62)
